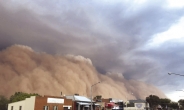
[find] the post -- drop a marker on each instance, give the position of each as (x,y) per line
(91,98)
(126,101)
(92,94)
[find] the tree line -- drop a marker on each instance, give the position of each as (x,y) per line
(154,101)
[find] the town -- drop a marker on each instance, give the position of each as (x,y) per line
(25,101)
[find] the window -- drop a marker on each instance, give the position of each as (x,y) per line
(20,107)
(45,107)
(66,108)
(55,108)
(11,107)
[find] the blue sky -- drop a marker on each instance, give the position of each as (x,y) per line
(141,39)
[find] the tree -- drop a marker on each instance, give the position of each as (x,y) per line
(98,98)
(3,102)
(165,102)
(153,101)
(181,103)
(18,96)
(174,105)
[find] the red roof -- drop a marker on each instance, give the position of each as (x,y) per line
(109,105)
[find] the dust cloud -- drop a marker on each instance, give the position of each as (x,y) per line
(23,69)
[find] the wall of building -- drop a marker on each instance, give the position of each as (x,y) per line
(106,100)
(50,101)
(16,105)
(30,103)
(137,106)
(27,104)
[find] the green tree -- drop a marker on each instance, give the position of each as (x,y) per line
(174,105)
(18,96)
(165,102)
(153,101)
(181,103)
(97,98)
(3,102)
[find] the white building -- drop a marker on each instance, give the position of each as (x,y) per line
(27,104)
(136,105)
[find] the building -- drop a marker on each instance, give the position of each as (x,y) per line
(137,105)
(71,102)
(42,103)
(113,104)
(80,102)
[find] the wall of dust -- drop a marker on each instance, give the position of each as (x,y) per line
(23,69)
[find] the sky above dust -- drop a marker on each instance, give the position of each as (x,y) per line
(139,40)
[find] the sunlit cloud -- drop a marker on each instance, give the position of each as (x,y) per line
(175,33)
(175,3)
(176,95)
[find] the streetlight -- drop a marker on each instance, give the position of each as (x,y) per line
(175,74)
(91,93)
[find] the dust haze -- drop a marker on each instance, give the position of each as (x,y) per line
(26,70)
